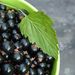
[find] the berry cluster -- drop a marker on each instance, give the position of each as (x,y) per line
(17,55)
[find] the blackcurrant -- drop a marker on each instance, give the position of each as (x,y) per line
(2,14)
(2,7)
(11,23)
(6,35)
(8,47)
(40,56)
(27,61)
(40,71)
(22,69)
(17,56)
(7,69)
(32,71)
(4,26)
(25,43)
(10,14)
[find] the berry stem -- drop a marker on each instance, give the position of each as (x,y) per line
(20,5)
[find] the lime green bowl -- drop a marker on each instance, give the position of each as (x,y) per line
(56,66)
(22,4)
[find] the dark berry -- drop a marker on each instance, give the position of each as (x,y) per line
(48,66)
(1,21)
(32,71)
(22,69)
(11,23)
(10,14)
(8,47)
(5,56)
(14,31)
(7,69)
(25,43)
(42,65)
(18,45)
(4,26)
(27,61)
(40,56)
(33,50)
(16,37)
(17,56)
(40,71)
(49,59)
(2,7)
(2,14)
(6,35)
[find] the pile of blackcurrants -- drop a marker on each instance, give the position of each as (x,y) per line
(17,55)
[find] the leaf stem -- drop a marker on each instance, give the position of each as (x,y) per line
(19,4)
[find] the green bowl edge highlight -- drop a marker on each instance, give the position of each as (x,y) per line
(29,8)
(56,66)
(21,4)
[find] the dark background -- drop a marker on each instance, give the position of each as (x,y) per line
(63,13)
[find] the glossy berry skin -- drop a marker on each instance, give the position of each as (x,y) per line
(10,14)
(5,56)
(22,69)
(17,56)
(48,66)
(27,61)
(1,21)
(7,69)
(16,37)
(14,31)
(2,14)
(11,23)
(40,56)
(4,26)
(33,50)
(49,60)
(8,47)
(2,7)
(42,65)
(32,71)
(18,45)
(6,35)
(40,71)
(25,43)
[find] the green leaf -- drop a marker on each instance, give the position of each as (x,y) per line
(38,28)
